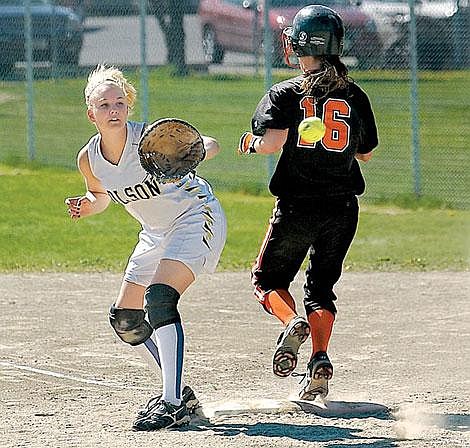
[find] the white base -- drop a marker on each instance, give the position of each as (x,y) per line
(266,406)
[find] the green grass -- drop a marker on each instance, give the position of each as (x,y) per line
(37,235)
(396,231)
(222,106)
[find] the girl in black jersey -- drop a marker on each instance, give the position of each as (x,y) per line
(316,187)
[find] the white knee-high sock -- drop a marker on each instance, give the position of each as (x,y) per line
(170,344)
(149,352)
(152,349)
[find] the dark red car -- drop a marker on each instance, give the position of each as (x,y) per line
(237,25)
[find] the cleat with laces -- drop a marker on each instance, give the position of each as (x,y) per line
(285,356)
(315,381)
(164,415)
(188,396)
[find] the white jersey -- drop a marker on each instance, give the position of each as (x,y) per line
(156,206)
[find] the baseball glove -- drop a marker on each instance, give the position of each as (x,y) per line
(170,148)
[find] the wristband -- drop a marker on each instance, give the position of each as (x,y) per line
(247,143)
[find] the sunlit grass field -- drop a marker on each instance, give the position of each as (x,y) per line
(36,233)
(397,230)
(222,106)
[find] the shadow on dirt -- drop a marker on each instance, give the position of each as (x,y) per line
(306,433)
(313,432)
(457,422)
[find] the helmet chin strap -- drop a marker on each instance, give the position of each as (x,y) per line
(287,48)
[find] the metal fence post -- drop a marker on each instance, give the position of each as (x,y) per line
(414,100)
(29,82)
(54,42)
(143,60)
(268,69)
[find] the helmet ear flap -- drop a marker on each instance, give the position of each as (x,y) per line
(287,47)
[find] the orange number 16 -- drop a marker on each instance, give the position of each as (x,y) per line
(337,133)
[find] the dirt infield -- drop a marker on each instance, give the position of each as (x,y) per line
(401,341)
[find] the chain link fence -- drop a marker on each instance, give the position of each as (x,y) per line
(204,60)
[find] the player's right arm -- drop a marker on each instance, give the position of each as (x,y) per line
(96,198)
(270,123)
(272,141)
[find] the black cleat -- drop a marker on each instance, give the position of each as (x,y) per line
(315,382)
(164,415)
(285,356)
(188,397)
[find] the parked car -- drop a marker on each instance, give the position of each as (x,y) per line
(78,6)
(438,32)
(57,33)
(236,25)
(111,7)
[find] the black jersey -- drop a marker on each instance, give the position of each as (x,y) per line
(327,168)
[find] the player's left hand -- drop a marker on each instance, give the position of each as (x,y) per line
(170,148)
(364,157)
(78,206)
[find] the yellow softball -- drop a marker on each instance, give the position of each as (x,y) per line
(312,129)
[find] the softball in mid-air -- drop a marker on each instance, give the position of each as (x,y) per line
(312,129)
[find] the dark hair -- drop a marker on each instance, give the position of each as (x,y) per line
(332,75)
(336,62)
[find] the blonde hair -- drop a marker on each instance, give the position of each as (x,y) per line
(109,75)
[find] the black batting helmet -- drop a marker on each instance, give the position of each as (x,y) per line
(316,31)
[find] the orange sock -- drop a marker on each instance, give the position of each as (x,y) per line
(321,325)
(281,304)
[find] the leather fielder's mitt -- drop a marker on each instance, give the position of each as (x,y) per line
(170,148)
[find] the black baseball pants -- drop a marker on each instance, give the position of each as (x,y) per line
(322,230)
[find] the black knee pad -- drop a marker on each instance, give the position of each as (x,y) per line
(130,325)
(161,303)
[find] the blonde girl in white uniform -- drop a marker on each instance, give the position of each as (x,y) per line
(183,234)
